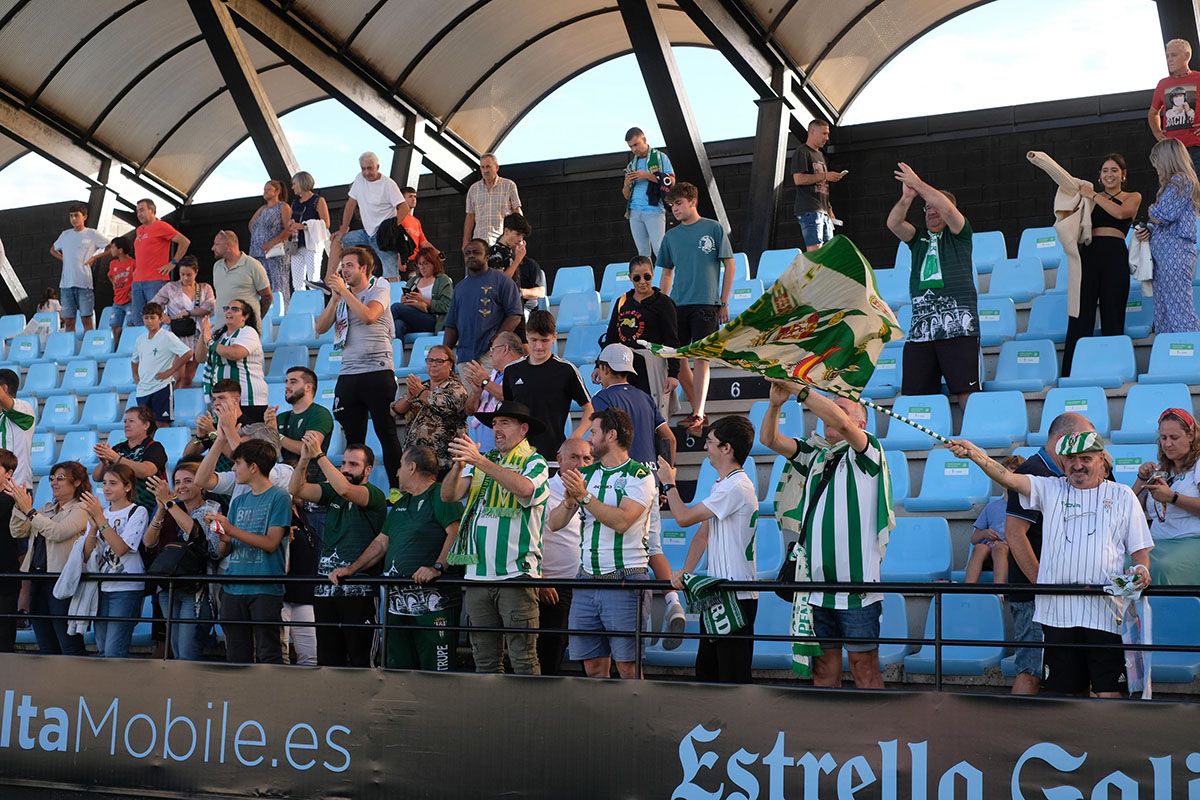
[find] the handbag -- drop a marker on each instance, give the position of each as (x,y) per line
(184,327)
(787,569)
(180,557)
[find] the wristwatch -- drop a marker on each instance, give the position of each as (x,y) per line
(439,566)
(587,498)
(666,487)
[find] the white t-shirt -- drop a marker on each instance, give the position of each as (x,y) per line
(77,247)
(731,540)
(1178,524)
(377,200)
(130,524)
(153,356)
(560,548)
(1086,536)
(20,441)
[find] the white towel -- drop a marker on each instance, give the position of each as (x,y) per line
(1141,265)
(316,236)
(85,595)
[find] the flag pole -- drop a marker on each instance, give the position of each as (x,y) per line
(880,409)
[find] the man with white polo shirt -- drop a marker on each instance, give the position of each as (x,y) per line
(728,519)
(1090,526)
(376,197)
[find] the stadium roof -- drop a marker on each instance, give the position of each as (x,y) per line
(136,83)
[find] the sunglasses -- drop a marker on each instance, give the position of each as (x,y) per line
(647,277)
(238,309)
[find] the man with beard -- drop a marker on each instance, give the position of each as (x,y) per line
(299,390)
(356,513)
(486,301)
(1089,527)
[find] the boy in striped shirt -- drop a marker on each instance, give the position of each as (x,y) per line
(501,533)
(613,496)
(845,516)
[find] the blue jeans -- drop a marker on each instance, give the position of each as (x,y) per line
(850,623)
(816,227)
(185,638)
(359,238)
(143,292)
(1028,659)
(114,637)
(412,320)
(603,610)
(51,635)
(648,228)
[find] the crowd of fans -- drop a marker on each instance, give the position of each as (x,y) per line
(488,480)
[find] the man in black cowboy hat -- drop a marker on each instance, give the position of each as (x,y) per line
(501,533)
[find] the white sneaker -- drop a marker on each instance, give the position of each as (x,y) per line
(674,624)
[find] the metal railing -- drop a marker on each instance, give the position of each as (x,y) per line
(936,590)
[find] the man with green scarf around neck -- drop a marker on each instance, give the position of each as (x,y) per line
(16,427)
(501,534)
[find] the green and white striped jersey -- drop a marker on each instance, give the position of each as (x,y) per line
(249,371)
(604,549)
(508,529)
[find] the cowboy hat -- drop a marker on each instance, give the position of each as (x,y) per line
(513,410)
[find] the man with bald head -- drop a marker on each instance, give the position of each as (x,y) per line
(1023,532)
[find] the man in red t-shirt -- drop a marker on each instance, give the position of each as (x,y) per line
(412,224)
(152,254)
(1172,112)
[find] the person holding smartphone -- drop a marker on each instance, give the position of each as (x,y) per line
(812,179)
(1170,492)
(427,296)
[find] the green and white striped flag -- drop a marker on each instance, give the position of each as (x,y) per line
(823,323)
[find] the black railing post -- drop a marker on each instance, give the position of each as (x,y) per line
(937,639)
(637,633)
(383,614)
(167,616)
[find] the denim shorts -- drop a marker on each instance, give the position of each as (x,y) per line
(117,318)
(76,300)
(604,610)
(831,623)
(1028,659)
(816,227)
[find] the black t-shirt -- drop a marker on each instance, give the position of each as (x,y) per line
(814,197)
(529,272)
(9,556)
(548,389)
(1034,465)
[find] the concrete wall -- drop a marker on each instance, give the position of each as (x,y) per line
(577,211)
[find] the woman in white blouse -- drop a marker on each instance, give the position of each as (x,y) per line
(1170,491)
(116,532)
(186,302)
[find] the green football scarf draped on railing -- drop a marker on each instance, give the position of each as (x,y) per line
(718,609)
(487,498)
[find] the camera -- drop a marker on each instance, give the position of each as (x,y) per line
(664,180)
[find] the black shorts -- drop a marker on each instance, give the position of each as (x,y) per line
(926,363)
(1078,670)
(696,322)
(159,404)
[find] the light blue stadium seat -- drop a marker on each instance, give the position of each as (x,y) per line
(930,410)
(578,308)
(101,411)
(708,477)
(11,325)
(275,394)
(744,293)
(80,376)
(337,445)
(79,446)
(1019,278)
(285,357)
(766,506)
(572,279)
(173,440)
(1105,361)
(682,656)
(416,358)
(1175,621)
(1174,357)
(43,452)
(41,379)
(42,494)
(325,394)
(329,362)
(396,291)
(997,320)
(1143,404)
(1086,400)
(60,347)
(893,284)
(117,376)
(1025,453)
(768,549)
(96,344)
(887,378)
(378,479)
(949,483)
(995,419)
(296,329)
(774,619)
(129,337)
(1059,281)
(773,263)
(919,549)
(51,318)
(189,404)
(1042,244)
(677,541)
(1047,319)
(60,412)
(904,321)
(267,331)
(791,423)
(143,632)
(106,318)
(741,266)
(903,255)
(586,372)
(987,248)
(277,306)
(898,470)
(1128,457)
(583,344)
(24,350)
(1027,365)
(977,617)
(1139,315)
(306,301)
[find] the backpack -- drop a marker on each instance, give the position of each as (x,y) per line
(392,237)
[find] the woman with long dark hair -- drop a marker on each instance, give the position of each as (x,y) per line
(427,296)
(235,352)
(117,533)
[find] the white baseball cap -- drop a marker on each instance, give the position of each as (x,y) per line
(618,357)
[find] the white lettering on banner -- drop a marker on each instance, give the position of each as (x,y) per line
(1127,465)
(670,537)
(885,363)
(854,774)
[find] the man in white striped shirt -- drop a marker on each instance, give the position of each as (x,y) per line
(1089,526)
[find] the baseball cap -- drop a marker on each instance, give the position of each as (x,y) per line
(1075,443)
(618,357)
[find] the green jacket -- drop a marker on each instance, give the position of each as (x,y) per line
(443,293)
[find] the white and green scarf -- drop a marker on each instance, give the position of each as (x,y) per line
(718,609)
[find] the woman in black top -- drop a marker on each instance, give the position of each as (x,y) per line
(139,452)
(644,312)
(1104,263)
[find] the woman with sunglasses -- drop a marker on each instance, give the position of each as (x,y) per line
(235,352)
(1170,491)
(644,312)
(436,408)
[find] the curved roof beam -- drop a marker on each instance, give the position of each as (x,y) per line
(836,40)
(52,74)
(362,23)
(435,40)
(141,76)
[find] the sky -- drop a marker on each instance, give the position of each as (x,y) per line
(1003,53)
